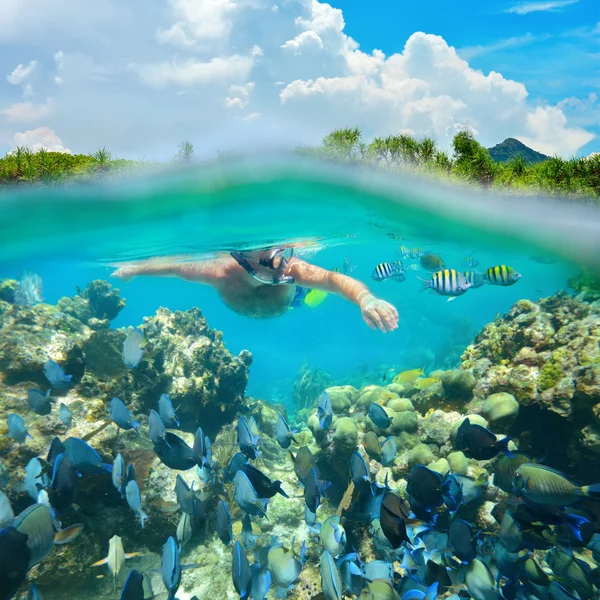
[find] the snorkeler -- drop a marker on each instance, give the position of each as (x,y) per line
(263,283)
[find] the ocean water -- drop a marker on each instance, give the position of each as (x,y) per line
(74,235)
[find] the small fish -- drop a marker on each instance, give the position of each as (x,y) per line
(475,278)
(372,446)
(36,521)
(546,486)
(167,412)
(39,402)
(7,516)
(571,571)
(379,569)
(85,458)
(56,448)
(426,488)
(237,460)
(447,283)
(425,382)
(502,275)
(331,581)
(480,443)
(462,541)
(175,453)
(119,475)
(314,490)
(432,262)
(116,556)
(431,593)
(56,376)
(156,427)
(380,589)
(379,416)
(389,449)
(121,416)
(63,487)
(34,593)
(246,496)
(68,535)
(332,536)
(283,433)
(29,292)
(349,267)
(65,415)
(261,581)
(471,262)
(324,411)
(134,586)
(17,430)
(470,488)
(304,461)
(284,566)
(224,527)
(389,270)
(511,535)
(240,572)
(248,536)
(133,348)
(15,557)
(480,583)
(202,449)
(171,567)
(184,529)
(409,376)
(35,478)
(134,499)
(265,488)
(185,495)
(359,472)
(505,470)
(412,253)
(247,441)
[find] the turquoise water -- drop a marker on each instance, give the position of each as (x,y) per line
(71,237)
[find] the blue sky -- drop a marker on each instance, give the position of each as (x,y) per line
(141,76)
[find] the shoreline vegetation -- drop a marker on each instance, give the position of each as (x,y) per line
(468,164)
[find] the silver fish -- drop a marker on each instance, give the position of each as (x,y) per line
(132,348)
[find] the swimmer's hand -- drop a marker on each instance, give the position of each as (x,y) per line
(126,273)
(379,314)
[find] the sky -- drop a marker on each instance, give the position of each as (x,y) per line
(141,76)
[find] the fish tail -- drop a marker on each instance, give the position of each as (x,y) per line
(280,490)
(574,523)
(426,283)
(593,491)
(143,517)
(502,446)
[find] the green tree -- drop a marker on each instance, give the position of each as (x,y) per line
(185,154)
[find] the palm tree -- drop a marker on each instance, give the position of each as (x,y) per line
(185,153)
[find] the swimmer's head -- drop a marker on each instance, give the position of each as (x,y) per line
(267,265)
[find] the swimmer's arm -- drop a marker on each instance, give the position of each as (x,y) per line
(376,313)
(206,271)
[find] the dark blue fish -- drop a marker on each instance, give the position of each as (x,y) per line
(56,448)
(200,447)
(175,453)
(121,416)
(304,461)
(359,472)
(237,460)
(34,593)
(132,348)
(36,521)
(246,496)
(378,415)
(171,567)
(134,499)
(65,415)
(130,473)
(185,495)
(39,402)
(462,541)
(367,505)
(283,433)
(167,412)
(389,449)
(351,573)
(3,476)
(85,458)
(427,488)
(265,488)
(324,411)
(156,427)
(393,513)
(248,443)
(206,472)
(247,536)
(261,581)
(313,490)
(63,487)
(240,572)
(119,475)
(56,376)
(479,442)
(331,581)
(15,557)
(224,529)
(134,586)
(17,430)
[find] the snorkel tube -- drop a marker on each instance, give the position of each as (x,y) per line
(274,259)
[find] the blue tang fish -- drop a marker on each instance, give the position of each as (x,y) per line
(15,557)
(167,412)
(171,567)
(134,586)
(119,475)
(261,582)
(134,499)
(17,430)
(247,441)
(378,415)
(65,415)
(121,416)
(63,487)
(283,433)
(39,402)
(56,376)
(35,480)
(185,495)
(132,348)
(235,464)
(240,571)
(158,433)
(324,411)
(85,458)
(331,581)
(389,449)
(246,496)
(224,527)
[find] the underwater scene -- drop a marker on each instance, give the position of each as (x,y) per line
(278,379)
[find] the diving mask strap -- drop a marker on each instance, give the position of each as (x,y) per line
(243,262)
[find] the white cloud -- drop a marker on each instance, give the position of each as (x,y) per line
(42,137)
(21,73)
(551,5)
(550,135)
(306,39)
(26,112)
(469,52)
(194,72)
(59,60)
(241,97)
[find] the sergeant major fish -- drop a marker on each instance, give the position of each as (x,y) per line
(502,275)
(447,282)
(389,270)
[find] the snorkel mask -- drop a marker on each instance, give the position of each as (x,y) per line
(271,265)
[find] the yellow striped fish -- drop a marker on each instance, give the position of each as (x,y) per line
(447,282)
(475,278)
(502,275)
(387,270)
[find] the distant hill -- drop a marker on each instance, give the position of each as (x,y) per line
(510,148)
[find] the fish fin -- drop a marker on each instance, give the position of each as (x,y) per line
(593,491)
(281,490)
(574,523)
(452,298)
(426,285)
(100,562)
(502,446)
(132,555)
